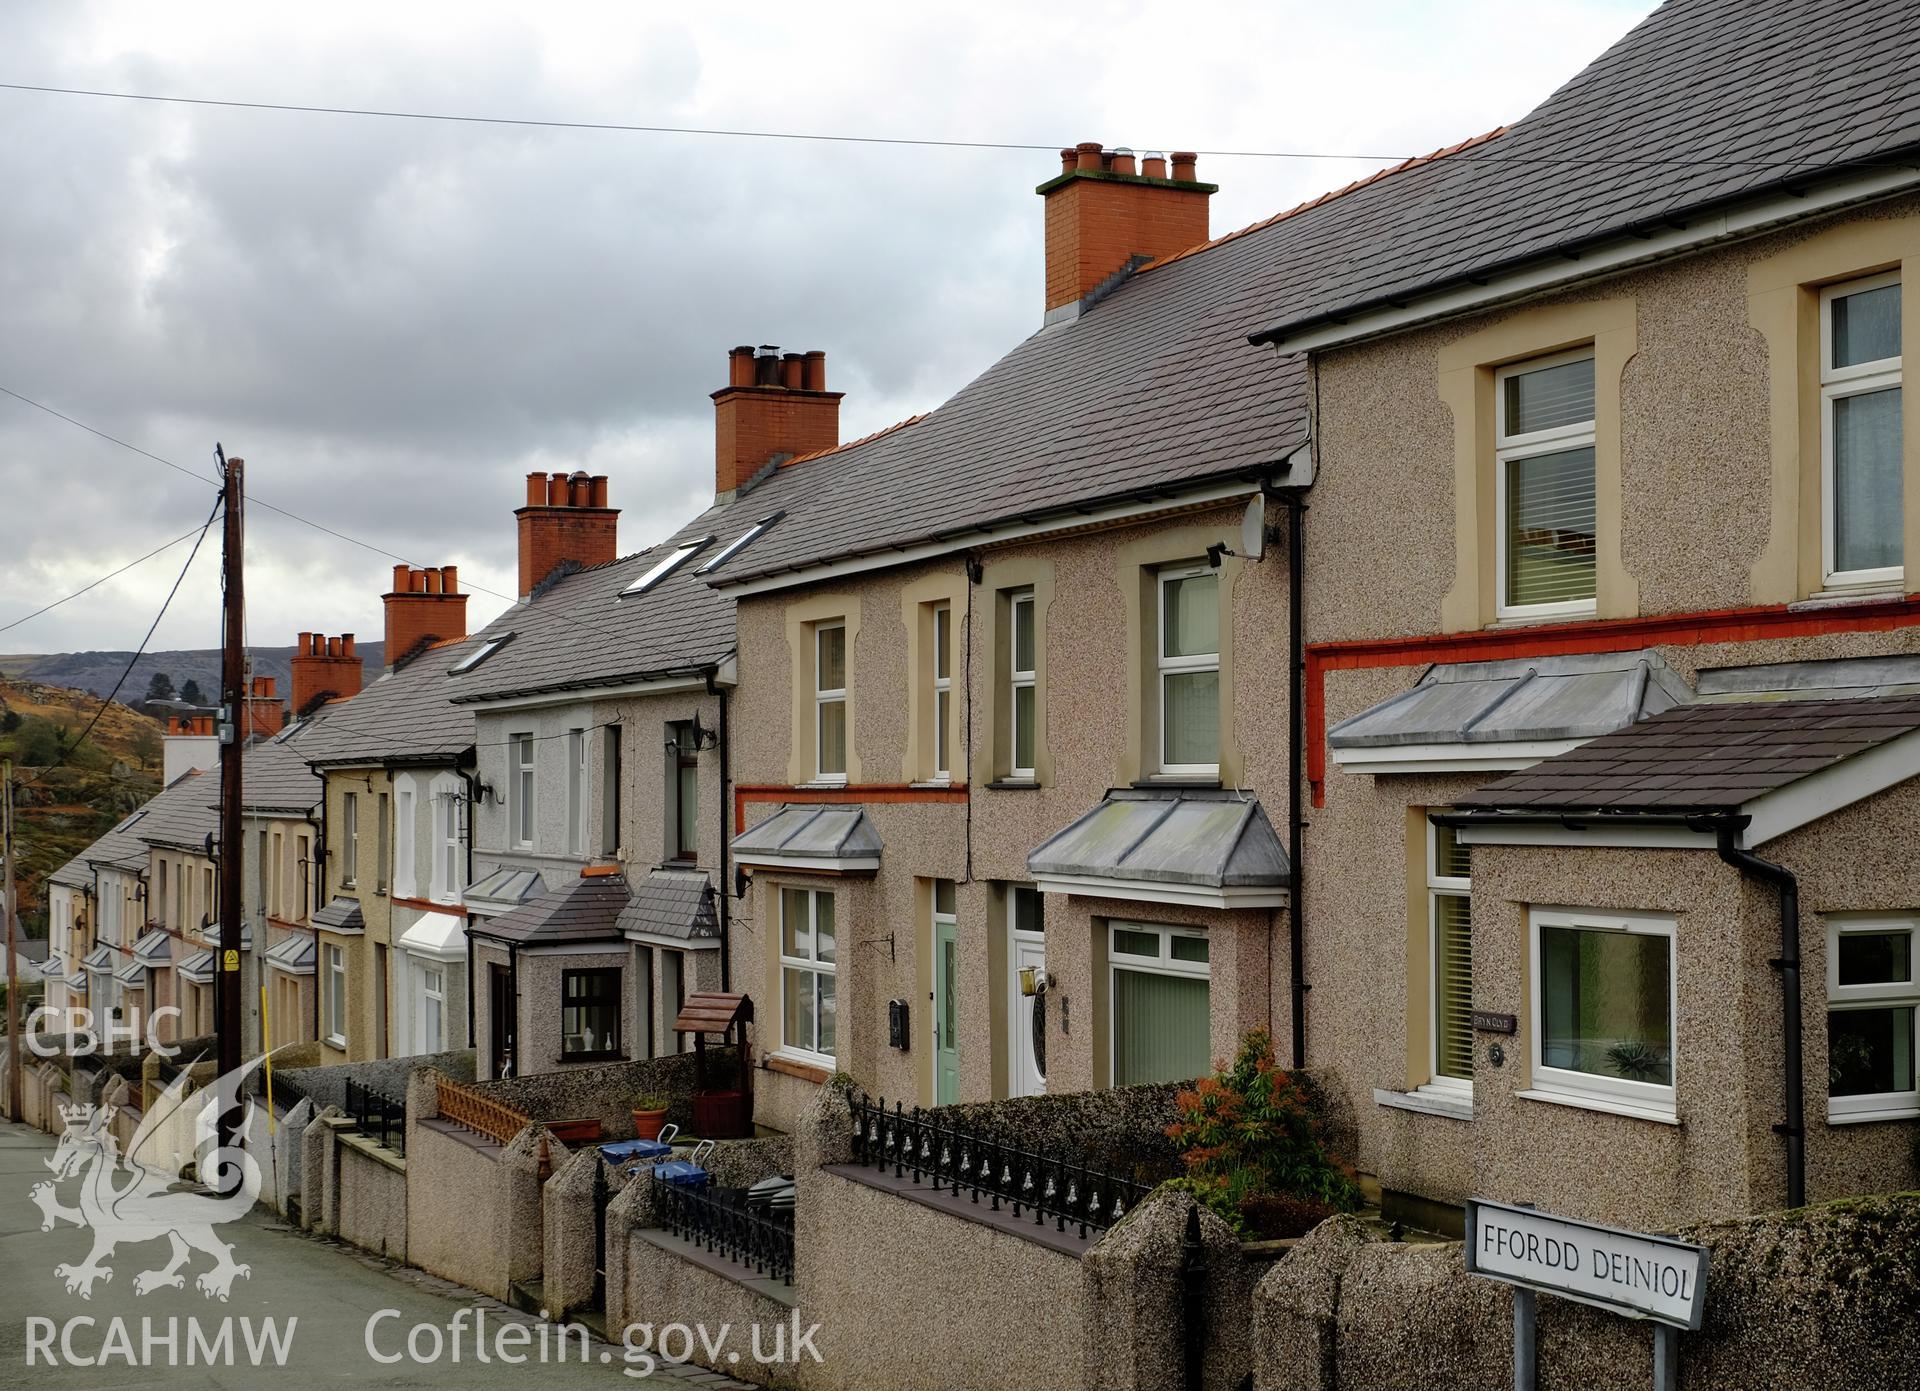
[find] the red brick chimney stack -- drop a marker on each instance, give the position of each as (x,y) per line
(265,714)
(324,668)
(423,604)
(566,519)
(1101,215)
(773,407)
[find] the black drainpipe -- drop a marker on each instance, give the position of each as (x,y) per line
(472,780)
(725,895)
(1294,500)
(1793,1129)
(512,1049)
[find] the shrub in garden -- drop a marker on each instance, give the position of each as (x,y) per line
(1253,1141)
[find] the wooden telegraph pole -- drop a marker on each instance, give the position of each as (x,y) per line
(233,738)
(10,850)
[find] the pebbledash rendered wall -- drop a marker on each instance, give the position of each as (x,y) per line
(906,1296)
(1700,529)
(1821,1296)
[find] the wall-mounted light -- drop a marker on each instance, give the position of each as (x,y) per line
(1035,980)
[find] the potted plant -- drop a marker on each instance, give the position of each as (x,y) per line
(649,1115)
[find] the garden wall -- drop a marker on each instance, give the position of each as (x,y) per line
(607,1094)
(1822,1296)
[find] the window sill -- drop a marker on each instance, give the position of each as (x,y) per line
(1842,595)
(1454,1105)
(820,784)
(335,1041)
(808,1068)
(1892,1113)
(1534,620)
(1603,1104)
(929,783)
(1014,785)
(1177,780)
(592,1058)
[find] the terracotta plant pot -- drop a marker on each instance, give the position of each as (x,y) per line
(646,1124)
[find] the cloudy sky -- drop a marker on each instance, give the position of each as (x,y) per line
(393,320)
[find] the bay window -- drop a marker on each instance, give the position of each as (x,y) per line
(1544,482)
(1188,655)
(808,952)
(1871,1000)
(1862,460)
(1603,1002)
(1160,1003)
(590,1014)
(830,702)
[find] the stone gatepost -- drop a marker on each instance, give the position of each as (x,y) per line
(525,1165)
(1296,1310)
(629,1209)
(320,1173)
(1132,1297)
(573,1230)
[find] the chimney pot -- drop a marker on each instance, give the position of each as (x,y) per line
(449,583)
(792,371)
(1154,165)
(1097,227)
(400,578)
(1183,165)
(1122,160)
(767,366)
(1088,155)
(756,424)
(740,365)
(598,493)
(536,489)
(1069,161)
(815,377)
(557,490)
(347,648)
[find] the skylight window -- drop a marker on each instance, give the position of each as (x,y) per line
(480,654)
(124,825)
(665,566)
(739,544)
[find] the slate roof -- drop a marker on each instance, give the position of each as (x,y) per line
(154,947)
(197,967)
(1213,840)
(1704,104)
(1520,699)
(118,846)
(1154,387)
(403,715)
(578,632)
(342,915)
(675,903)
(580,910)
(809,834)
(508,884)
(181,816)
(295,955)
(274,775)
(1703,758)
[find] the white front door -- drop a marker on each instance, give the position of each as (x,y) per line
(1026,1055)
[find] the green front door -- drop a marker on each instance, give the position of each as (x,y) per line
(946,992)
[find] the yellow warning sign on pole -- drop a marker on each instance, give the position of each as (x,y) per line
(230,961)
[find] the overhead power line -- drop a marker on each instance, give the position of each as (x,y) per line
(111,574)
(1485,155)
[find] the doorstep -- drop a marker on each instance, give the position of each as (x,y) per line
(970,1209)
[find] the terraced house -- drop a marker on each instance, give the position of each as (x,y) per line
(599,709)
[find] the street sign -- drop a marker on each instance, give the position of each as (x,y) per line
(1644,1277)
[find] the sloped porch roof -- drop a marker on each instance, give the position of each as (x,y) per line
(1209,849)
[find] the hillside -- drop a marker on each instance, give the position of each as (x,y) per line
(97,671)
(62,812)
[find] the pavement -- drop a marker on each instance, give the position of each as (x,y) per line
(328,1293)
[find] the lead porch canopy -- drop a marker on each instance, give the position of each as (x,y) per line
(1203,848)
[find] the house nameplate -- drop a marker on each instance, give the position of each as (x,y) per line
(1486,1023)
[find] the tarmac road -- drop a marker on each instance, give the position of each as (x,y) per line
(326,1291)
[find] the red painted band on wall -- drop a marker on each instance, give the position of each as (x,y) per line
(1592,635)
(857,792)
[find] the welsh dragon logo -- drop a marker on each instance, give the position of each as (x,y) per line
(126,1203)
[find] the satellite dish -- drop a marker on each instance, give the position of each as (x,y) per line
(1253,529)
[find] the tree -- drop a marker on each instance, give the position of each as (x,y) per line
(160,686)
(191,693)
(9,722)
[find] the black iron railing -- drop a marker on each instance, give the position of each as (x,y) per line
(1029,1184)
(287,1093)
(378,1116)
(719,1221)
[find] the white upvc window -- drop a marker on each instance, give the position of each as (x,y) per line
(830,702)
(1022,666)
(1450,961)
(335,980)
(349,840)
(449,840)
(1159,1003)
(433,1009)
(1861,454)
(1872,996)
(405,873)
(1603,1009)
(1544,486)
(808,953)
(577,791)
(383,842)
(942,689)
(523,789)
(1187,652)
